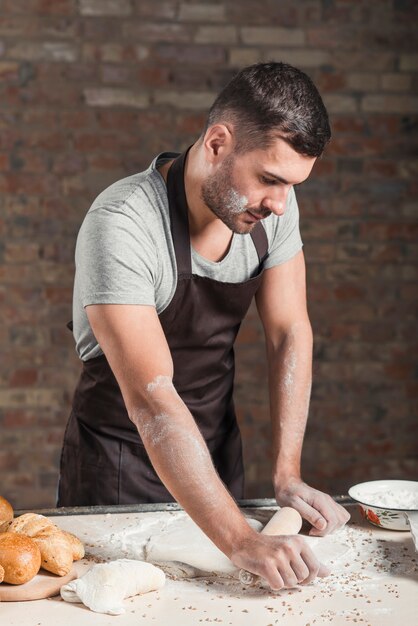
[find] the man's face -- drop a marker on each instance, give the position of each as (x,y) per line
(250,186)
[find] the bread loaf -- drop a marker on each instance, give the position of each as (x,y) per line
(1,573)
(58,548)
(20,558)
(6,514)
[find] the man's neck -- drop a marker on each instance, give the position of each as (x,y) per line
(209,236)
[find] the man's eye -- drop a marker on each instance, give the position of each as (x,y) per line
(269,181)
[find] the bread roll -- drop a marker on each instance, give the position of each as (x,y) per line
(56,551)
(20,558)
(58,548)
(1,574)
(30,524)
(6,514)
(76,545)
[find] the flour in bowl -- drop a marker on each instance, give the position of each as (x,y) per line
(402,499)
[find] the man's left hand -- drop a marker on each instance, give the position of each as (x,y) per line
(318,508)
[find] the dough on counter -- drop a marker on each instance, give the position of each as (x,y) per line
(329,549)
(176,544)
(106,585)
(185,542)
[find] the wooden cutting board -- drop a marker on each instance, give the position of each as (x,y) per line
(43,585)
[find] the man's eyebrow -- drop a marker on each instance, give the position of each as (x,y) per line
(275,176)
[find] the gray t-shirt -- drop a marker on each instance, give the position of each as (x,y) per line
(125,254)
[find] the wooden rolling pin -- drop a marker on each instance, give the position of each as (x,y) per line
(285,521)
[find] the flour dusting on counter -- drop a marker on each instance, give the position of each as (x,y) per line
(355,555)
(373,579)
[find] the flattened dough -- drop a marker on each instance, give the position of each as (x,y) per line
(104,587)
(184,542)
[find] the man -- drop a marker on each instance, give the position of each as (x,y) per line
(167,263)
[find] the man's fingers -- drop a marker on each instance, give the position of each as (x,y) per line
(311,515)
(301,570)
(337,518)
(324,514)
(274,579)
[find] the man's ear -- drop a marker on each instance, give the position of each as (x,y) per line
(218,142)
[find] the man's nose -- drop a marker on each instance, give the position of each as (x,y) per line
(276,202)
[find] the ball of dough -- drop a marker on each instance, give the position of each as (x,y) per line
(6,514)
(20,558)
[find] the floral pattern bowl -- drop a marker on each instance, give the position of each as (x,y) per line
(371,496)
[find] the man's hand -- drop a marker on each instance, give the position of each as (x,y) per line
(284,561)
(318,508)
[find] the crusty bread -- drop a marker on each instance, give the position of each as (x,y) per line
(30,524)
(76,545)
(6,514)
(56,551)
(1,573)
(20,558)
(58,548)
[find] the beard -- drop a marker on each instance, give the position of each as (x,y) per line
(220,196)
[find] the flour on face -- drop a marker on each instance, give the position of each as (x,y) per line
(235,203)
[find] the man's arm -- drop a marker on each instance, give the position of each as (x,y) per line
(134,343)
(281,302)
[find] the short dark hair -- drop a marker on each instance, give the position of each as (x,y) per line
(269,100)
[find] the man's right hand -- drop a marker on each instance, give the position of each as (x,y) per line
(283,561)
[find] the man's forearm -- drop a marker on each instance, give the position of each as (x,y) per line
(290,378)
(182,460)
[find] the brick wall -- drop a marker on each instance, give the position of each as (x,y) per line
(91,90)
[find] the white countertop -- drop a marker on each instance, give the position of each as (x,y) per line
(376,587)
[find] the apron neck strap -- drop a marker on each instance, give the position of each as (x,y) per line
(179,218)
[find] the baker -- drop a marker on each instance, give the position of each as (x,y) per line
(167,263)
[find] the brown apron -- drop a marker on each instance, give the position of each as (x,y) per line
(103,460)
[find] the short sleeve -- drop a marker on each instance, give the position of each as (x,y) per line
(116,260)
(283,234)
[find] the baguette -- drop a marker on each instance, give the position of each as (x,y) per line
(20,558)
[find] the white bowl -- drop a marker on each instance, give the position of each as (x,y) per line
(377,513)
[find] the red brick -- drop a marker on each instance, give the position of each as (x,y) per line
(153,76)
(104,162)
(23,378)
(39,7)
(58,294)
(190,123)
(4,162)
(348,293)
(331,81)
(26,183)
